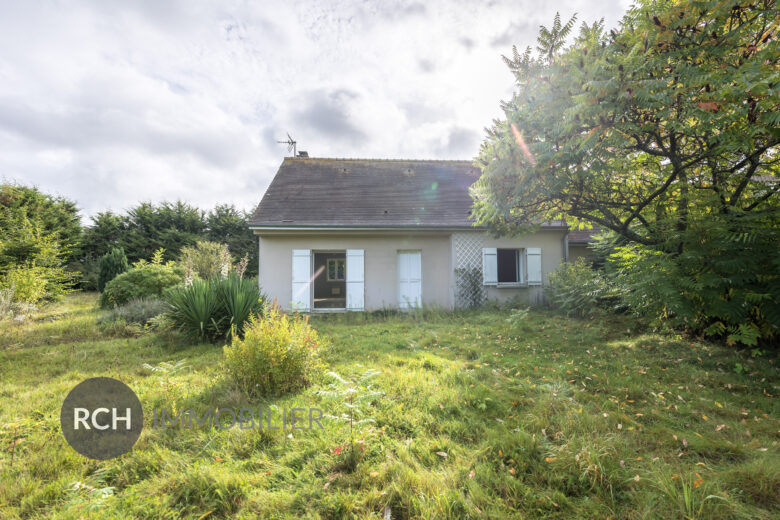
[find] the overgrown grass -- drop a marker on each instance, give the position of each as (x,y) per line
(476,415)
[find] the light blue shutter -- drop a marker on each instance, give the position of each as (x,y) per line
(301,280)
(489,266)
(355,280)
(533,257)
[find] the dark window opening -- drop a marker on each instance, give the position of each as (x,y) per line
(508,265)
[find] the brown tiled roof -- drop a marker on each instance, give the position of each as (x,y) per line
(314,192)
(583,236)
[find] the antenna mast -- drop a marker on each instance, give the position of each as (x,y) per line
(292,145)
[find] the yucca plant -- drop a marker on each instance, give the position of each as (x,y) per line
(239,298)
(196,309)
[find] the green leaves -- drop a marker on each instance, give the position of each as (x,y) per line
(640,130)
(215,308)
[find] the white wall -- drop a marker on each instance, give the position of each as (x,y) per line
(381,269)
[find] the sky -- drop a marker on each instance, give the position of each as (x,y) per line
(114,102)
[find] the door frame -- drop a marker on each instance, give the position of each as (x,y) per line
(311,295)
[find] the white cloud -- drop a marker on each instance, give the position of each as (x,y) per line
(114,102)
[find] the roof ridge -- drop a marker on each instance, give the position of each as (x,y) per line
(378,159)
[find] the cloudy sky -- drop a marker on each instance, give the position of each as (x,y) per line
(114,102)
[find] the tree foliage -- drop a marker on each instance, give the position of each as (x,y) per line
(669,118)
(112,264)
(148,227)
(38,233)
(57,217)
(664,131)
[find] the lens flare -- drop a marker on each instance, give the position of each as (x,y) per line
(523,147)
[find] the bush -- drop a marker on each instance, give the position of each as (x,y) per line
(577,289)
(239,298)
(32,284)
(139,310)
(194,309)
(143,279)
(277,354)
(206,260)
(112,264)
(720,278)
(214,308)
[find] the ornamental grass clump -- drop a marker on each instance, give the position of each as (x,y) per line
(278,354)
(213,309)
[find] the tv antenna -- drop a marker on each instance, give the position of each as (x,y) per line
(292,145)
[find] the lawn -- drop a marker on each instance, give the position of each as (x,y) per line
(546,417)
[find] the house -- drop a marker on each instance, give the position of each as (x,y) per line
(578,241)
(367,234)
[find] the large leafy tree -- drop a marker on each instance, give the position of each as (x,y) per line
(671,117)
(666,132)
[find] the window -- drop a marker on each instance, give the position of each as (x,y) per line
(336,268)
(511,267)
(508,265)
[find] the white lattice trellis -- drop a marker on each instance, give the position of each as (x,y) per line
(469,290)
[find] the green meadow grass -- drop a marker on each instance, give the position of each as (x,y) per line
(549,417)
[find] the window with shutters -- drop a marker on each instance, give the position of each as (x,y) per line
(509,265)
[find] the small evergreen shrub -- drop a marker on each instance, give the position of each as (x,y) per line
(278,354)
(112,264)
(214,308)
(143,279)
(577,289)
(138,310)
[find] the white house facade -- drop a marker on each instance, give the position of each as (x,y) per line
(355,234)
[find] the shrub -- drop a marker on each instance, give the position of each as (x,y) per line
(32,284)
(138,310)
(720,278)
(194,309)
(143,279)
(576,288)
(214,308)
(206,260)
(277,354)
(112,264)
(239,298)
